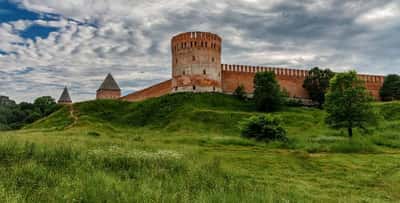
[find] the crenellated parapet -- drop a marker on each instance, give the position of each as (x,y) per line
(255,69)
(290,79)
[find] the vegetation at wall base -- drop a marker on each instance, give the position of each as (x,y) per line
(268,96)
(390,89)
(317,83)
(188,147)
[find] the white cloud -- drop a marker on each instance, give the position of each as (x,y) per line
(388,14)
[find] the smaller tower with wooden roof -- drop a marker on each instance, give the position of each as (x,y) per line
(65,98)
(109,89)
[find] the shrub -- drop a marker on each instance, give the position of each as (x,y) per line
(264,127)
(240,93)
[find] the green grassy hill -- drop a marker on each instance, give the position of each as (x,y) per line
(187,147)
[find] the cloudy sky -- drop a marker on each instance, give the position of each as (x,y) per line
(46,44)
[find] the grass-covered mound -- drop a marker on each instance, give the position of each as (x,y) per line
(188,148)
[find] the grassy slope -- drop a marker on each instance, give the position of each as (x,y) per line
(187,147)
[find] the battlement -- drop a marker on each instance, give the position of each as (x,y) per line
(256,69)
(289,72)
(190,40)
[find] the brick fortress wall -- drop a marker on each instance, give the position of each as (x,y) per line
(157,90)
(289,79)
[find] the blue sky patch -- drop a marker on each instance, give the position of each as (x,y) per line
(37,31)
(11,12)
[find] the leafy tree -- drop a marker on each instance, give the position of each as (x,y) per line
(46,105)
(264,127)
(391,88)
(317,83)
(267,93)
(348,103)
(240,93)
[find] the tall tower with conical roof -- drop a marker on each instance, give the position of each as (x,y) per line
(109,89)
(65,98)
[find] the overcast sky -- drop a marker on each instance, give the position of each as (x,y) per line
(46,44)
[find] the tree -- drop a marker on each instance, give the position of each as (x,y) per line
(267,93)
(348,103)
(317,83)
(46,105)
(240,93)
(391,88)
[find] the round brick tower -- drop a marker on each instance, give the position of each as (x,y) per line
(196,62)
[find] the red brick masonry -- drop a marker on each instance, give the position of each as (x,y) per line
(290,80)
(157,90)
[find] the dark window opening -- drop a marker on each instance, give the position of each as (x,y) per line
(204,71)
(214,89)
(176,88)
(206,44)
(212,59)
(191,44)
(195,44)
(176,60)
(193,58)
(194,87)
(183,73)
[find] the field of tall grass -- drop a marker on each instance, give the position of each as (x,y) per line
(188,148)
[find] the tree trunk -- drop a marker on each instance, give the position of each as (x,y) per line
(350,131)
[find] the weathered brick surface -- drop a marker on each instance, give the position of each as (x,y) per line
(290,80)
(108,94)
(157,90)
(196,62)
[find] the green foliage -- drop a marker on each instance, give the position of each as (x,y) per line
(263,127)
(348,103)
(240,92)
(267,93)
(15,116)
(46,105)
(391,88)
(197,155)
(317,83)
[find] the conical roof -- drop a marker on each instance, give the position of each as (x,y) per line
(109,84)
(65,98)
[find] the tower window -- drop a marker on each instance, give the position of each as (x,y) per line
(204,72)
(183,72)
(206,44)
(195,44)
(191,44)
(214,88)
(212,59)
(193,58)
(176,60)
(194,87)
